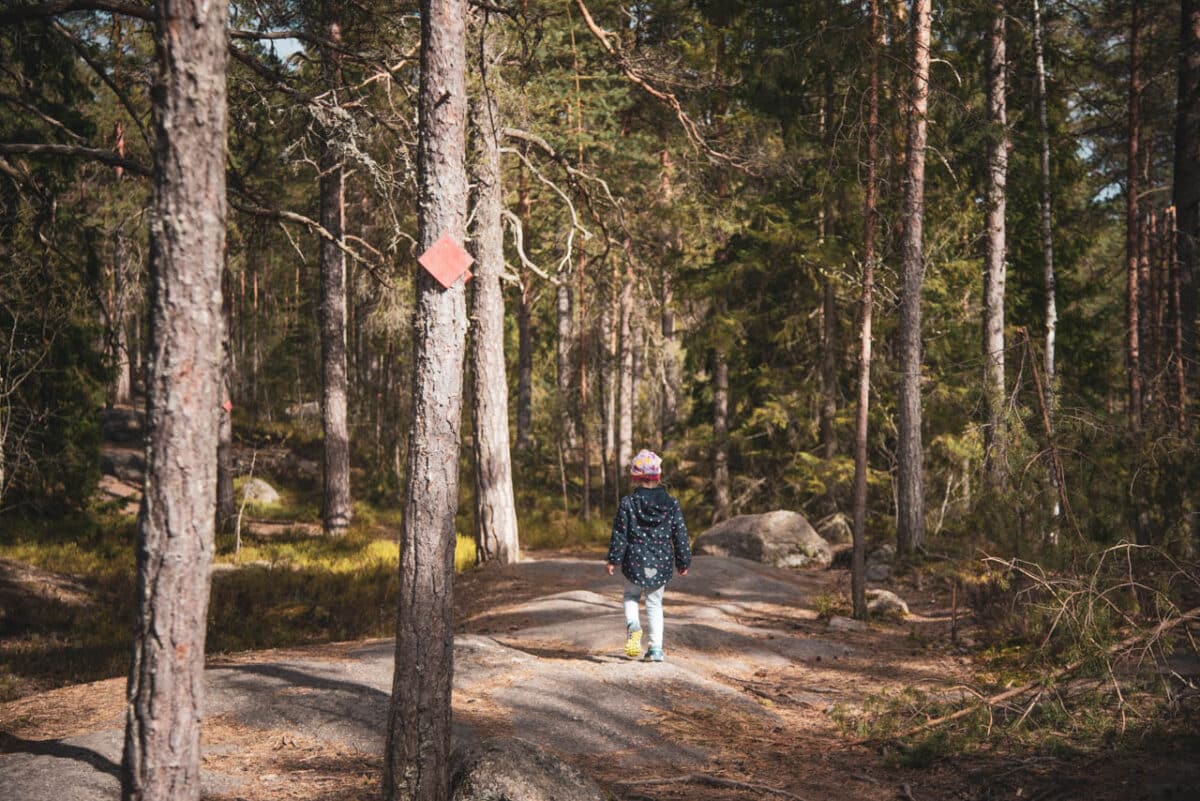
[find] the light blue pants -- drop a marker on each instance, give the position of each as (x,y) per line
(654,612)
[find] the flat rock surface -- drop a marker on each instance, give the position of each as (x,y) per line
(750,693)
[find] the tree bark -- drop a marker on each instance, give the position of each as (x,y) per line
(721,490)
(1132,218)
(524,330)
(669,410)
(336,455)
(910,470)
(995,251)
(495,508)
(226,504)
(176,525)
(418,737)
(828,403)
(123,388)
(862,416)
(625,378)
(525,364)
(1046,206)
(1186,189)
(563,319)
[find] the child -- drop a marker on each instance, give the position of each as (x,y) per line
(648,537)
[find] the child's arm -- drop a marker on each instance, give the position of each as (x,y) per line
(683,548)
(619,541)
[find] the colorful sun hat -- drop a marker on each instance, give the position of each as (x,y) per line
(646,464)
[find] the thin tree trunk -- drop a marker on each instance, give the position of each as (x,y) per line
(608,382)
(418,737)
(1046,206)
(495,508)
(1132,218)
(123,390)
(862,417)
(585,454)
(995,251)
(625,393)
(670,360)
(910,470)
(226,505)
(524,331)
(563,318)
(1186,190)
(828,404)
(721,491)
(161,759)
(525,364)
(336,460)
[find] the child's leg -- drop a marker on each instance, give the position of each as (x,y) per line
(654,615)
(633,594)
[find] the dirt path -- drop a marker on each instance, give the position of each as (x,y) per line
(751,691)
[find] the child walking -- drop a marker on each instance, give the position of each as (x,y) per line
(649,537)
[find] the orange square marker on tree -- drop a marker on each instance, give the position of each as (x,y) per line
(446,261)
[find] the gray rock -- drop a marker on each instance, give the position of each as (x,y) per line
(126,464)
(839,623)
(515,770)
(780,538)
(836,529)
(885,554)
(255,490)
(886,604)
(308,411)
(877,571)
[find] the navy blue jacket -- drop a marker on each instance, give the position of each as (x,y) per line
(649,537)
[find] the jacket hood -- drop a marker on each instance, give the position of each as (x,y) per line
(652,506)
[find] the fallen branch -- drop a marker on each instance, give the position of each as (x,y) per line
(1042,684)
(712,781)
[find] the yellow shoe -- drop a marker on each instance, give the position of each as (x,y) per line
(633,645)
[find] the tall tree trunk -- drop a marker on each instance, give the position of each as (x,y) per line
(862,417)
(1049,280)
(1132,218)
(226,505)
(563,318)
(1186,188)
(525,364)
(418,737)
(123,389)
(608,379)
(625,392)
(721,491)
(585,453)
(495,508)
(910,470)
(524,331)
(336,461)
(176,525)
(829,360)
(670,360)
(1046,207)
(995,251)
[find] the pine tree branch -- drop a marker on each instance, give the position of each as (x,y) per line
(612,45)
(107,157)
(56,7)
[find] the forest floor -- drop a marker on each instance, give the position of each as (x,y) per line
(756,690)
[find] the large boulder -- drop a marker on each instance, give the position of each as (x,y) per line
(836,529)
(885,603)
(515,770)
(780,538)
(257,491)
